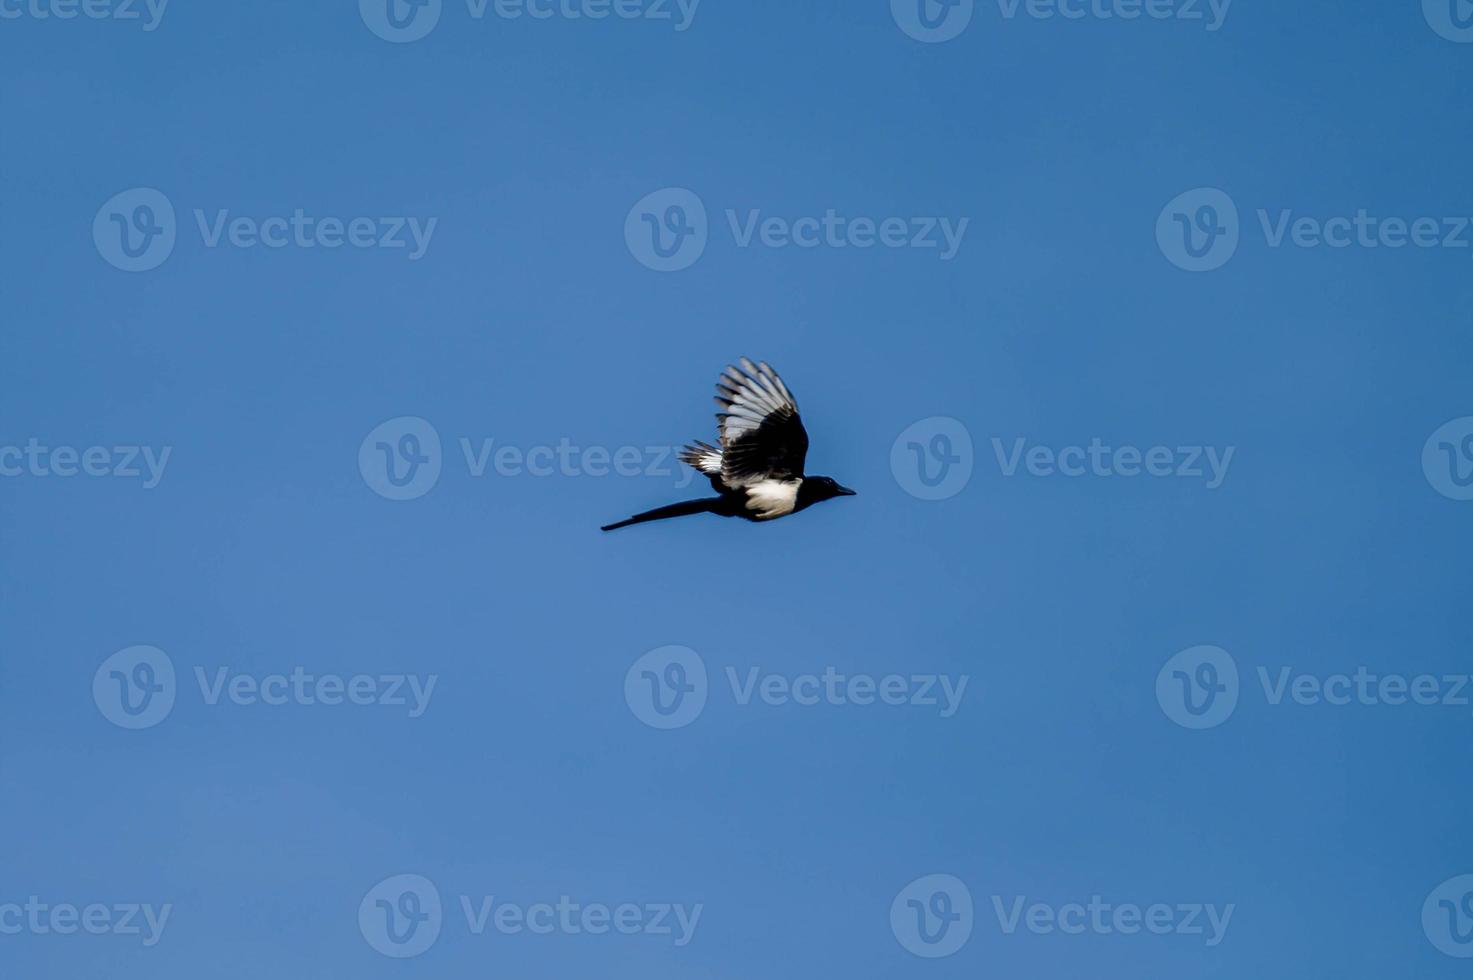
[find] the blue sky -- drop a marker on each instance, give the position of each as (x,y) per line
(1113,688)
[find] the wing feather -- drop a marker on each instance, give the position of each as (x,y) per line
(762,435)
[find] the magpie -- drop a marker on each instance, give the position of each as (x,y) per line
(758,469)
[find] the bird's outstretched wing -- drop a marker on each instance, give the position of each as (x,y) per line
(762,437)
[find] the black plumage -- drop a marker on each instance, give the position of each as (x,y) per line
(757,471)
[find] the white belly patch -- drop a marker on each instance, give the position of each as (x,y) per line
(773,498)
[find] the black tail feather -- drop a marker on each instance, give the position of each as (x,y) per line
(683,509)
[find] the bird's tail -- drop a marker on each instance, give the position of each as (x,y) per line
(683,509)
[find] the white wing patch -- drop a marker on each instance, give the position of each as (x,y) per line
(749,398)
(708,462)
(705,458)
(773,498)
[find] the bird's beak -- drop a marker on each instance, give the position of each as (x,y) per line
(846,492)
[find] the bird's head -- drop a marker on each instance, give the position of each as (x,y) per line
(817,488)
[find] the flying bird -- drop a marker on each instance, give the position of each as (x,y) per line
(758,469)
